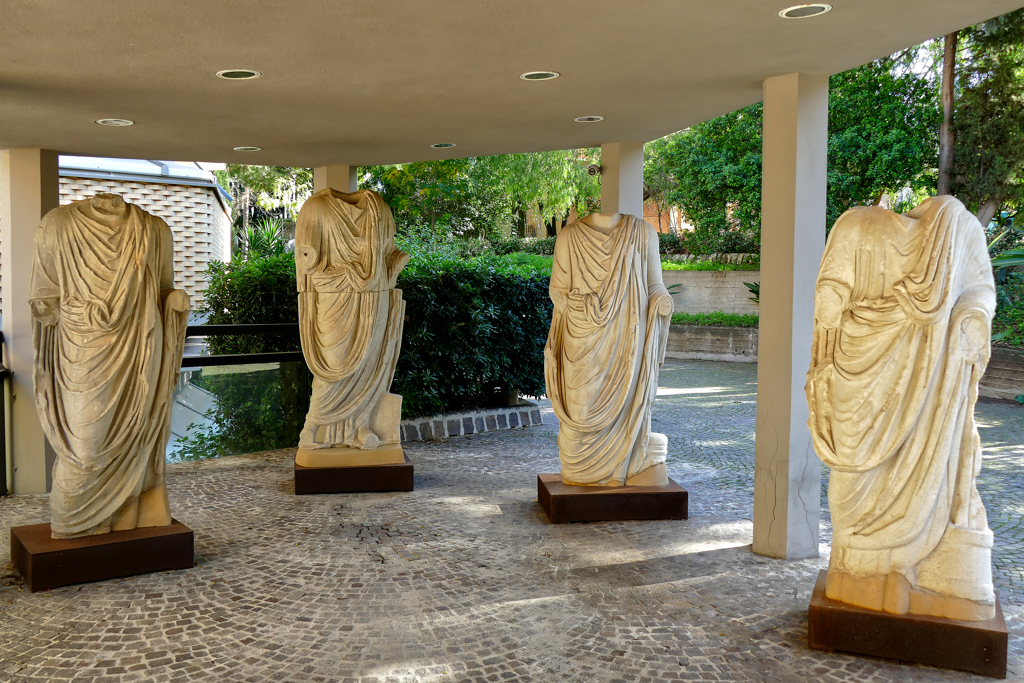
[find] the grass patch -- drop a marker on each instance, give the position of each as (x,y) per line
(537,262)
(708,265)
(717,318)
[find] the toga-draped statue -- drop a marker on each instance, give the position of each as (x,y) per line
(351,318)
(108,329)
(903,309)
(605,348)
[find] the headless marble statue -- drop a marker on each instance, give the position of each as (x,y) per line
(903,309)
(351,319)
(108,329)
(605,348)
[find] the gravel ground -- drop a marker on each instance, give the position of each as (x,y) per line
(464,579)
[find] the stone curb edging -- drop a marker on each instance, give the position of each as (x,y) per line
(712,342)
(469,422)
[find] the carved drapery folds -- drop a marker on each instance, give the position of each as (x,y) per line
(903,310)
(108,333)
(350,317)
(607,342)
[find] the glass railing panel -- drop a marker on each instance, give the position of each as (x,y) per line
(233,409)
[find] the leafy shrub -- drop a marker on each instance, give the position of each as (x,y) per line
(544,246)
(506,245)
(472,328)
(671,242)
(472,325)
(261,239)
(260,290)
(501,246)
(1008,327)
(717,318)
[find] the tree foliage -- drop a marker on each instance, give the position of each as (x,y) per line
(265,191)
(716,166)
(440,195)
(483,195)
(882,141)
(883,133)
(988,123)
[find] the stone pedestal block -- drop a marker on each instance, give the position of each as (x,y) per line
(976,646)
(47,563)
(569,503)
(358,479)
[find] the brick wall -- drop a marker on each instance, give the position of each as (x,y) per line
(201,228)
(194,214)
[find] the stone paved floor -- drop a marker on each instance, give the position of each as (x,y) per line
(464,579)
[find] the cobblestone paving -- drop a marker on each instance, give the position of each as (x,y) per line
(465,580)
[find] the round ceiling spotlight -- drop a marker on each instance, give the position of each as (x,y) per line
(443,145)
(805,11)
(539,75)
(238,74)
(116,123)
(247,149)
(588,119)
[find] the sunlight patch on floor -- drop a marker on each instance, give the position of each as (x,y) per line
(673,391)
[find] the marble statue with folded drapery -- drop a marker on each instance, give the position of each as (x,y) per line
(606,345)
(108,329)
(903,310)
(351,319)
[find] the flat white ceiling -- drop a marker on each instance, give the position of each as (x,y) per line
(376,82)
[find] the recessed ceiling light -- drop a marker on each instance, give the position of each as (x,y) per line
(539,75)
(247,149)
(115,122)
(443,145)
(238,74)
(805,11)
(588,119)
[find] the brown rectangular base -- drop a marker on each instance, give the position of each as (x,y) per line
(47,562)
(360,479)
(568,503)
(976,646)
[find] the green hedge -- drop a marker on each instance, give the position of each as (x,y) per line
(256,291)
(472,325)
(544,246)
(717,318)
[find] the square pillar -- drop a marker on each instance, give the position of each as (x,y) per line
(622,178)
(29,188)
(340,178)
(787,475)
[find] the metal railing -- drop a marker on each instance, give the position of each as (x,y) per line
(241,358)
(291,364)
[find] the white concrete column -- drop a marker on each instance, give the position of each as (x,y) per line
(341,178)
(622,178)
(29,188)
(787,477)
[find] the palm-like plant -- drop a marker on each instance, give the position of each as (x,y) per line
(261,239)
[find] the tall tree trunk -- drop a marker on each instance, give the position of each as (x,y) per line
(987,212)
(946,131)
